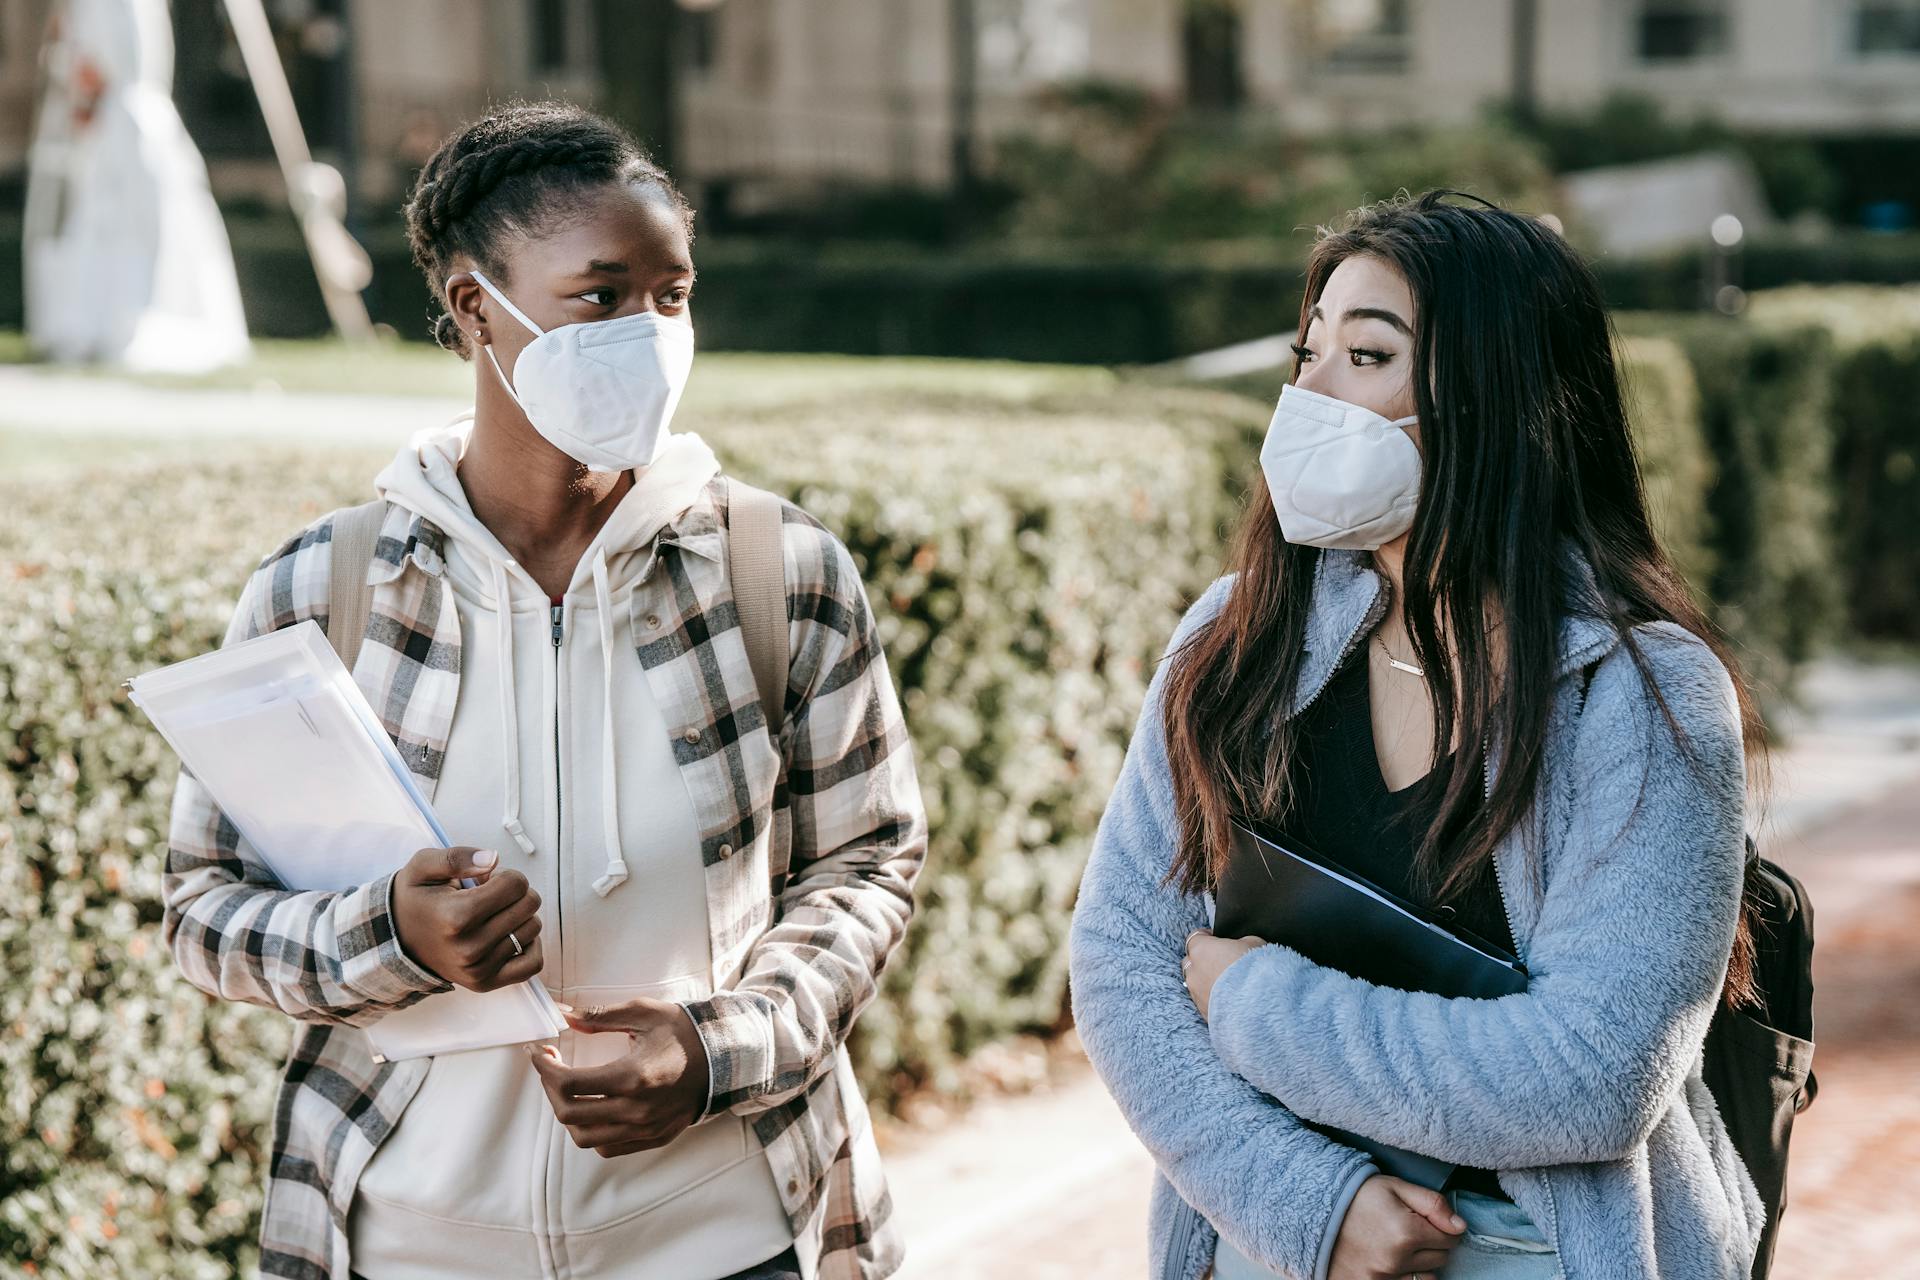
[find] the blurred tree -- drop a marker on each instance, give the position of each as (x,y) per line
(1525,29)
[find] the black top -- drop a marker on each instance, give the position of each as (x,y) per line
(1343,811)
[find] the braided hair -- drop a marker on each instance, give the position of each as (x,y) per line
(504,176)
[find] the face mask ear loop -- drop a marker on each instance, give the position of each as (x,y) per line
(517,314)
(502,375)
(504,301)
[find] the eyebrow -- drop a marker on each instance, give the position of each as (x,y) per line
(602,267)
(1366,313)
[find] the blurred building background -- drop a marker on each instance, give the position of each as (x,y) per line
(744,92)
(812,134)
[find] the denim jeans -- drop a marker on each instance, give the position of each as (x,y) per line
(1501,1244)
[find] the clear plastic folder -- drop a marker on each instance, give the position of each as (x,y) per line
(277,731)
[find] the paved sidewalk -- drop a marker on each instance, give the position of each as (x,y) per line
(44,400)
(1047,1186)
(1855,1174)
(1052,1186)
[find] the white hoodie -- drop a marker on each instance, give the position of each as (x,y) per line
(478,1178)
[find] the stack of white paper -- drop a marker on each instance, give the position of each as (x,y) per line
(277,731)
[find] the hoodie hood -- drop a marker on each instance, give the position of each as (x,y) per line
(424,478)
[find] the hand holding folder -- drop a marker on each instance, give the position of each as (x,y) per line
(277,731)
(1285,894)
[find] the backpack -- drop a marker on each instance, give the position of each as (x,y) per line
(756,566)
(1758,1060)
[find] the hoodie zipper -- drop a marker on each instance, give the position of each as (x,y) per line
(556,614)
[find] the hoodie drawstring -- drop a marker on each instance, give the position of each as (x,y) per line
(616,872)
(509,717)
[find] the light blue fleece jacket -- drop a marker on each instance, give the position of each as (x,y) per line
(1584,1092)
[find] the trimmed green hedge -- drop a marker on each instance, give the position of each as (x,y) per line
(1663,403)
(1063,302)
(1764,413)
(1810,405)
(1027,555)
(1875,412)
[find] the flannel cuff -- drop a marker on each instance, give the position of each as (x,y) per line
(372,961)
(737,1030)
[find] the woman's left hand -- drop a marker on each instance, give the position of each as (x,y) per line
(1207,958)
(643,1100)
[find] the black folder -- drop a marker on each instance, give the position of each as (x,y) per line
(1276,890)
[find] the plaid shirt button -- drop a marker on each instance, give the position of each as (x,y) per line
(691,735)
(726,851)
(653,622)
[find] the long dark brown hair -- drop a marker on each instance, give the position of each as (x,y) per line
(1526,442)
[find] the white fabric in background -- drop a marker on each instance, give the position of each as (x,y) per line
(127,261)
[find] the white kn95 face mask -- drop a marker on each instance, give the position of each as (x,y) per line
(603,391)
(1340,474)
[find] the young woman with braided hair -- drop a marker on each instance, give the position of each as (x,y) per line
(554,646)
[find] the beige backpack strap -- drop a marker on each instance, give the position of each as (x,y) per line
(757,567)
(356,532)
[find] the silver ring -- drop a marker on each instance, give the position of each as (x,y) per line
(517,948)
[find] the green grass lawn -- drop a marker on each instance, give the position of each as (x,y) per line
(726,387)
(721,379)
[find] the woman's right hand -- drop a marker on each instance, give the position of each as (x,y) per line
(461,934)
(1393,1230)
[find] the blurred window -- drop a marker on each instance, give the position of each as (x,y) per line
(1366,35)
(1681,30)
(701,37)
(551,43)
(216,98)
(1210,48)
(1887,27)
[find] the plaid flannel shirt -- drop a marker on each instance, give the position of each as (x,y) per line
(839,790)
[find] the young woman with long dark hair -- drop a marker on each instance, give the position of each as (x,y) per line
(1451,655)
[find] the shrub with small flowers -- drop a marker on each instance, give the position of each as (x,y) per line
(1027,557)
